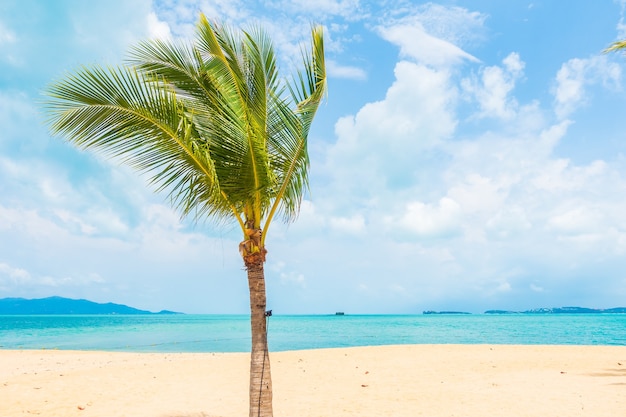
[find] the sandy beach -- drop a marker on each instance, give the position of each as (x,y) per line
(411,380)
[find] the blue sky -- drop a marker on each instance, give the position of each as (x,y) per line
(471,155)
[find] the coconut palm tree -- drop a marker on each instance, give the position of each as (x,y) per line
(215,127)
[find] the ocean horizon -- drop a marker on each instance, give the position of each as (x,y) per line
(231,333)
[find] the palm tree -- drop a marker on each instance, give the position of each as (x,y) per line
(213,125)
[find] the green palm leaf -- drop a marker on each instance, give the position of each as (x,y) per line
(209,122)
(290,128)
(616,46)
(121,114)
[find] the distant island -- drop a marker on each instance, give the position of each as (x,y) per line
(557,310)
(562,310)
(60,305)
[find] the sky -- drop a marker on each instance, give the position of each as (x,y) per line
(470,155)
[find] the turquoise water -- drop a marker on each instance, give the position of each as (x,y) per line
(214,333)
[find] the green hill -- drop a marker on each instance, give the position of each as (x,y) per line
(60,305)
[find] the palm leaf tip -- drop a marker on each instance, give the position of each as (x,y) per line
(616,46)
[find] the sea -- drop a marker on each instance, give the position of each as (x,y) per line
(231,333)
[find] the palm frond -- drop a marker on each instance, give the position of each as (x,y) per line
(120,114)
(208,122)
(616,46)
(238,69)
(291,127)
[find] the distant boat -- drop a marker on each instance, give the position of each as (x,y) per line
(340,313)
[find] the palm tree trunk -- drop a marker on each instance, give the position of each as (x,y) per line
(260,375)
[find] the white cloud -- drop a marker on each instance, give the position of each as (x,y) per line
(428,220)
(381,143)
(503,286)
(478,193)
(293,279)
(29,224)
(493,89)
(107,221)
(351,225)
(157,28)
(71,281)
(569,91)
(536,288)
(310,222)
(433,34)
(286,276)
(417,44)
(344,71)
(72,221)
(15,280)
(555,177)
(456,25)
(576,221)
(15,275)
(82,209)
(514,64)
(117,26)
(575,76)
(508,222)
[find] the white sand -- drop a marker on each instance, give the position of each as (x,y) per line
(412,380)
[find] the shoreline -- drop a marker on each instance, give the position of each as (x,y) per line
(394,380)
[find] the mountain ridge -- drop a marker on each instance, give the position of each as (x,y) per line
(61,305)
